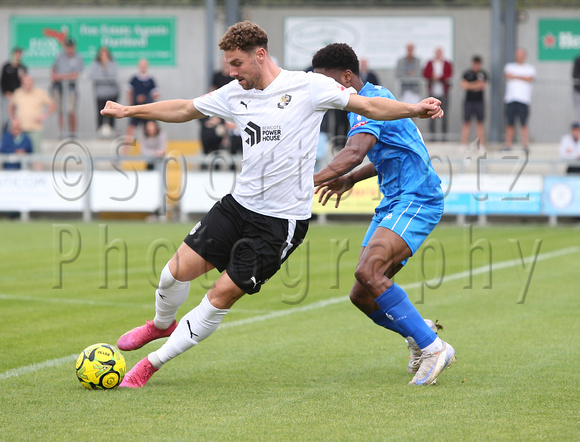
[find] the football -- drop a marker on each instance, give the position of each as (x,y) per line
(100,367)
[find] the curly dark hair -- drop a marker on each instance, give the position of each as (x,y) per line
(245,36)
(339,56)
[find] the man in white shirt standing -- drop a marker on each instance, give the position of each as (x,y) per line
(518,97)
(252,231)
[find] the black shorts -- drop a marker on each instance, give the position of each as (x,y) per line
(518,109)
(250,246)
(473,109)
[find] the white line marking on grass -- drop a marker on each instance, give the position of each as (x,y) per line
(103,303)
(37,366)
(304,308)
(280,313)
(71,301)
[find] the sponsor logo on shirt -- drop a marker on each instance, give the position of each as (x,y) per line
(257,134)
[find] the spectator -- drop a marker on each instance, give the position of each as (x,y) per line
(12,72)
(570,148)
(103,72)
(31,106)
(15,142)
(366,74)
(408,73)
(474,83)
(576,88)
(141,90)
(222,77)
(518,97)
(65,72)
(213,134)
(153,142)
(233,140)
(438,72)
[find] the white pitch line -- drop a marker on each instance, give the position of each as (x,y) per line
(71,301)
(314,306)
(99,303)
(37,366)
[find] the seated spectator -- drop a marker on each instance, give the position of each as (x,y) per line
(219,138)
(570,148)
(213,134)
(234,138)
(15,142)
(152,142)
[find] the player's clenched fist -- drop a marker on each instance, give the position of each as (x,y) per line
(429,108)
(113,109)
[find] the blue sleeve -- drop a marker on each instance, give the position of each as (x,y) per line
(360,124)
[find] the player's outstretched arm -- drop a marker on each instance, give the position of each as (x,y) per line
(170,111)
(380,108)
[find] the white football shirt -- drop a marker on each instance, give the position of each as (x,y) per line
(280,126)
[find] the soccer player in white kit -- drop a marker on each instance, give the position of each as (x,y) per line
(249,233)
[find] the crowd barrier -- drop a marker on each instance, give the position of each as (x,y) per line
(186,186)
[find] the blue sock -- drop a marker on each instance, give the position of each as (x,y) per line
(381,319)
(397,305)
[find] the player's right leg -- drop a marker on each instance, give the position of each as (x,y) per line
(172,292)
(194,327)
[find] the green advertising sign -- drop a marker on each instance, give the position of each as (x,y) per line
(558,39)
(129,38)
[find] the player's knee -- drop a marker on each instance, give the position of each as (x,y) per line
(356,297)
(365,276)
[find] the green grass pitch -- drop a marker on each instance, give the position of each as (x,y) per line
(296,361)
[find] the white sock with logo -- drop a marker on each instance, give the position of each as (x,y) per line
(193,328)
(169,296)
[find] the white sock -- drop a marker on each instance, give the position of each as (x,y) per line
(435,346)
(169,296)
(155,361)
(193,328)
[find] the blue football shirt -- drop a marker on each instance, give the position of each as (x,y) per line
(400,155)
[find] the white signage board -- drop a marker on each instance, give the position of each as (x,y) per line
(381,40)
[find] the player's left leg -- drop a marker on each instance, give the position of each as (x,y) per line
(384,250)
(365,302)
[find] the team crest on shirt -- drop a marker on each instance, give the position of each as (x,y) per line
(284,101)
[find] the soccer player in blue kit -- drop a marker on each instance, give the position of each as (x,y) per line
(410,210)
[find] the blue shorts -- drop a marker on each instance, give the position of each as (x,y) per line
(412,220)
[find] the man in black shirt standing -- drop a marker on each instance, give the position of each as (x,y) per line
(12,72)
(474,82)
